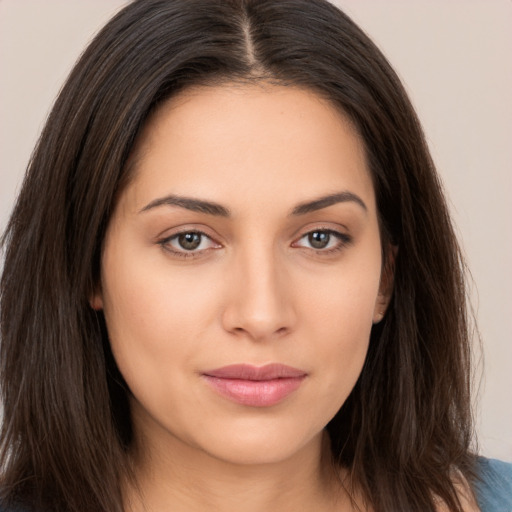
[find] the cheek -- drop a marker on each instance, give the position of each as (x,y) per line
(154,319)
(343,327)
(147,295)
(342,299)
(338,316)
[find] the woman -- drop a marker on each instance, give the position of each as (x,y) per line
(240,289)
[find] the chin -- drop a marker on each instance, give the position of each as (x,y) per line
(260,444)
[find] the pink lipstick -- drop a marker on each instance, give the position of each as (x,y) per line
(254,386)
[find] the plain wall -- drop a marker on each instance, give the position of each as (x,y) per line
(454,57)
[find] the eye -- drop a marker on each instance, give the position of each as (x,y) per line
(188,243)
(325,240)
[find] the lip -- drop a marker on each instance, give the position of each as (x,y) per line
(255,386)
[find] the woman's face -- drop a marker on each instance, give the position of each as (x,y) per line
(241,272)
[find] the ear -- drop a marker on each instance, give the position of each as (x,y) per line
(387,279)
(96,299)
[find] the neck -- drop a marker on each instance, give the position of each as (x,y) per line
(181,478)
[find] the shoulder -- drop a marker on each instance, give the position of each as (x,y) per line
(494,485)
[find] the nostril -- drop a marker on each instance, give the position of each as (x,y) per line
(260,310)
(260,333)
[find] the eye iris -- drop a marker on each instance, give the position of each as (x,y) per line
(189,241)
(319,239)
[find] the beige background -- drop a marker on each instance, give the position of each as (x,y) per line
(455,57)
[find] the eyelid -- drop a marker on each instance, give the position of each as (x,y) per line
(186,227)
(165,240)
(344,239)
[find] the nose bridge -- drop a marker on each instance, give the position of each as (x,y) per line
(260,305)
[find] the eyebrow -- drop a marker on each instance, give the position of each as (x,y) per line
(325,201)
(189,203)
(211,208)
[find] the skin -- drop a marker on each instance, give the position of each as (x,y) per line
(254,291)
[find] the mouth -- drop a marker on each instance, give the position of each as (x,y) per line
(254,386)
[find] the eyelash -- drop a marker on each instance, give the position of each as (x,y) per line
(164,243)
(343,241)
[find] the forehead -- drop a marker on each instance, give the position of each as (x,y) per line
(251,141)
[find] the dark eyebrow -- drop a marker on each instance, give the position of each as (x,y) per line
(195,205)
(325,201)
(210,208)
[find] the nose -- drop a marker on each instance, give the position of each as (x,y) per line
(260,304)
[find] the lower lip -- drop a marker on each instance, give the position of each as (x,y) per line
(255,393)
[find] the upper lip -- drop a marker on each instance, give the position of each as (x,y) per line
(250,372)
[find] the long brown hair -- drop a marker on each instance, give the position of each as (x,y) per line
(405,430)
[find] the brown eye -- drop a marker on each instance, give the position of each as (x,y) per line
(189,241)
(319,239)
(188,244)
(324,241)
